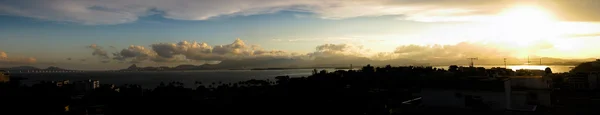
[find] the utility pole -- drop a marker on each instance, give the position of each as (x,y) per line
(471,59)
(528,62)
(504,62)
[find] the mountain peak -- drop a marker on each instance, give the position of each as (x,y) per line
(133,66)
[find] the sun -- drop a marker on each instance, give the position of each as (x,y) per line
(524,25)
(526,14)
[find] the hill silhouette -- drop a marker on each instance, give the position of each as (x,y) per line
(593,66)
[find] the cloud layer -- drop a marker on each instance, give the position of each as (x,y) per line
(239,53)
(93,12)
(193,51)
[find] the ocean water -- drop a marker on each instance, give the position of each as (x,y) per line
(555,68)
(153,79)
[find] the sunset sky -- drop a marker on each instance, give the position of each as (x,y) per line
(112,34)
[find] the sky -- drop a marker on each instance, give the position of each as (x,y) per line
(112,34)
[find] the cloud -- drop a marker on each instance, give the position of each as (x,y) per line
(247,55)
(191,50)
(69,59)
(93,12)
(5,59)
(582,35)
(98,51)
(138,54)
(3,55)
(457,51)
(574,10)
(194,51)
(327,50)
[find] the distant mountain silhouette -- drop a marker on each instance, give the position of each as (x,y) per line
(258,63)
(22,68)
(133,67)
(52,68)
(31,68)
(344,62)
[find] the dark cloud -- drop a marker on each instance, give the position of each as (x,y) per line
(192,50)
(202,51)
(69,59)
(138,54)
(98,51)
(185,51)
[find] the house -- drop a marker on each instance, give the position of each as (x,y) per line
(83,87)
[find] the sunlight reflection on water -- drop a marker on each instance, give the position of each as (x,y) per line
(555,68)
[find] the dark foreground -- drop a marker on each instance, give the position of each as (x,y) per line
(375,91)
(341,92)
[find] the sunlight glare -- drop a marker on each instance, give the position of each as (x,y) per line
(524,25)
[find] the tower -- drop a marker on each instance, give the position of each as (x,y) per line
(471,59)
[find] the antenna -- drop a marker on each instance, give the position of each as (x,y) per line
(471,59)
